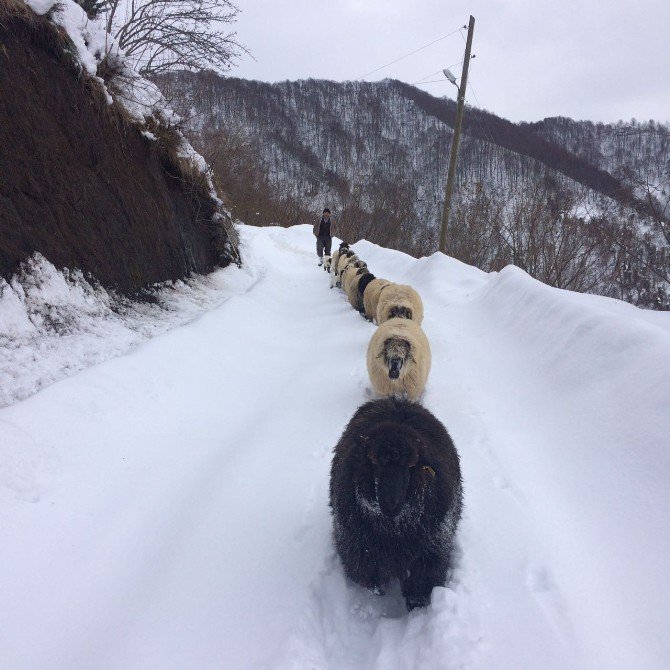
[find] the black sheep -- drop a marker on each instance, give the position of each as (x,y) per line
(362,285)
(395,494)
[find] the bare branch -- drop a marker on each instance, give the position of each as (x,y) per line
(163,35)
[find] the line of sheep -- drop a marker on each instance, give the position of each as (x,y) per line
(399,357)
(395,479)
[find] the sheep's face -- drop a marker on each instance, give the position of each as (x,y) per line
(400,312)
(393,452)
(396,352)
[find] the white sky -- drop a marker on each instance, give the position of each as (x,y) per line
(601,60)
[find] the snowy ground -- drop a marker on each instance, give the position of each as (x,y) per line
(168,508)
(53,324)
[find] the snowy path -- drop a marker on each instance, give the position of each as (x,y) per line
(168,508)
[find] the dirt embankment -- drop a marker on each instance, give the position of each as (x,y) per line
(78,182)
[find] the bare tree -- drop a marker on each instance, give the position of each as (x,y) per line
(383,211)
(475,226)
(657,196)
(163,35)
(242,182)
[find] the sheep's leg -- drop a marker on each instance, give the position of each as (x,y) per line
(365,572)
(427,571)
(361,565)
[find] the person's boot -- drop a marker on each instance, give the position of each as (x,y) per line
(320,261)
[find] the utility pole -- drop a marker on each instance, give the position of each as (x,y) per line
(449,189)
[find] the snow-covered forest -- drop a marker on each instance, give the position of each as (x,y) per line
(377,152)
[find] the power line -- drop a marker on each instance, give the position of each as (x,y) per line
(479,104)
(411,53)
(432,74)
(485,134)
(431,81)
(414,83)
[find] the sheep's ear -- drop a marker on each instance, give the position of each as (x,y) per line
(428,470)
(418,448)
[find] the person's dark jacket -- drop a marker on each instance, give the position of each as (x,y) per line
(318,227)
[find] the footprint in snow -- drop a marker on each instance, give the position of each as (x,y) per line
(542,585)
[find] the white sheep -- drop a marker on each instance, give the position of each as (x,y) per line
(343,259)
(333,268)
(399,359)
(349,274)
(371,297)
(401,301)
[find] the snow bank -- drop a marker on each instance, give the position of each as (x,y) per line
(53,324)
(592,385)
(575,393)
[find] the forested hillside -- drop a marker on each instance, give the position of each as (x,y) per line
(633,152)
(566,201)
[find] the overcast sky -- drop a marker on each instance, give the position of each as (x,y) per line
(602,60)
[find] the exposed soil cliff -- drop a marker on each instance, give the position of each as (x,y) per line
(79,182)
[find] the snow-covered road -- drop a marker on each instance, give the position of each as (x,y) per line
(168,508)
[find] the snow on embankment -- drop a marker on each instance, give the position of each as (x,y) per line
(95,174)
(575,393)
(53,324)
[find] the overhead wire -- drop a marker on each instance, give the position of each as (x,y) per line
(425,80)
(483,129)
(431,74)
(414,83)
(411,53)
(431,81)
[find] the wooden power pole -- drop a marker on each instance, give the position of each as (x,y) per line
(449,189)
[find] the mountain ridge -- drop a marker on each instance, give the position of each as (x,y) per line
(577,205)
(525,139)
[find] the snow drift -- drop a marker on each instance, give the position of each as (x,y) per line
(168,508)
(53,324)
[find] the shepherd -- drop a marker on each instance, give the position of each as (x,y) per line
(323,230)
